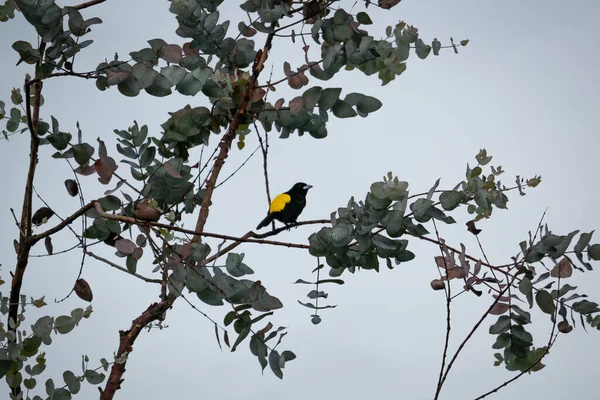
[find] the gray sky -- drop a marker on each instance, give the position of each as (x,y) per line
(525,88)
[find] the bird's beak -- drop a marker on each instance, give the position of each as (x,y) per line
(306,187)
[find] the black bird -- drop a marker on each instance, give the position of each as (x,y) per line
(287,206)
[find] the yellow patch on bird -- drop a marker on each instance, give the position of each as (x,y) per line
(279,202)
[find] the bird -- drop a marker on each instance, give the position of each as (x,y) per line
(286,207)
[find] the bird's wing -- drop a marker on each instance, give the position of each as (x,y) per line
(279,202)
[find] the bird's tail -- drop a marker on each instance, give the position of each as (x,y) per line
(268,219)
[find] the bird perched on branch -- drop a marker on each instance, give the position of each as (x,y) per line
(286,207)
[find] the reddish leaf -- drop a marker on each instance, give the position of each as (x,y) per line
(477,268)
(83,290)
(471,227)
(387,4)
(187,50)
(125,246)
(499,308)
(297,104)
(104,169)
(170,53)
(258,95)
(287,69)
(85,171)
(563,269)
(297,80)
(145,212)
(171,170)
(278,104)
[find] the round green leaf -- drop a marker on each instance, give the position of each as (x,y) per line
(594,252)
(545,301)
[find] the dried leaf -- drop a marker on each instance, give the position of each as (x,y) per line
(104,170)
(471,227)
(437,284)
(564,327)
(499,308)
(83,290)
(125,246)
(387,4)
(72,188)
(48,244)
(563,269)
(41,215)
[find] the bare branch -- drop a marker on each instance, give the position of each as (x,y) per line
(112,264)
(87,4)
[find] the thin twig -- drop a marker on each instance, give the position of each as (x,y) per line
(551,341)
(474,329)
(88,4)
(448,308)
(112,264)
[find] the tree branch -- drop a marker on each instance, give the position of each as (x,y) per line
(157,310)
(464,342)
(244,239)
(225,144)
(112,264)
(87,4)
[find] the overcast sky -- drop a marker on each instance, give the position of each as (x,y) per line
(526,88)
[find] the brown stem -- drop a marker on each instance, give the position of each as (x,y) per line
(468,337)
(259,237)
(225,144)
(25,224)
(112,264)
(157,310)
(87,4)
(127,338)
